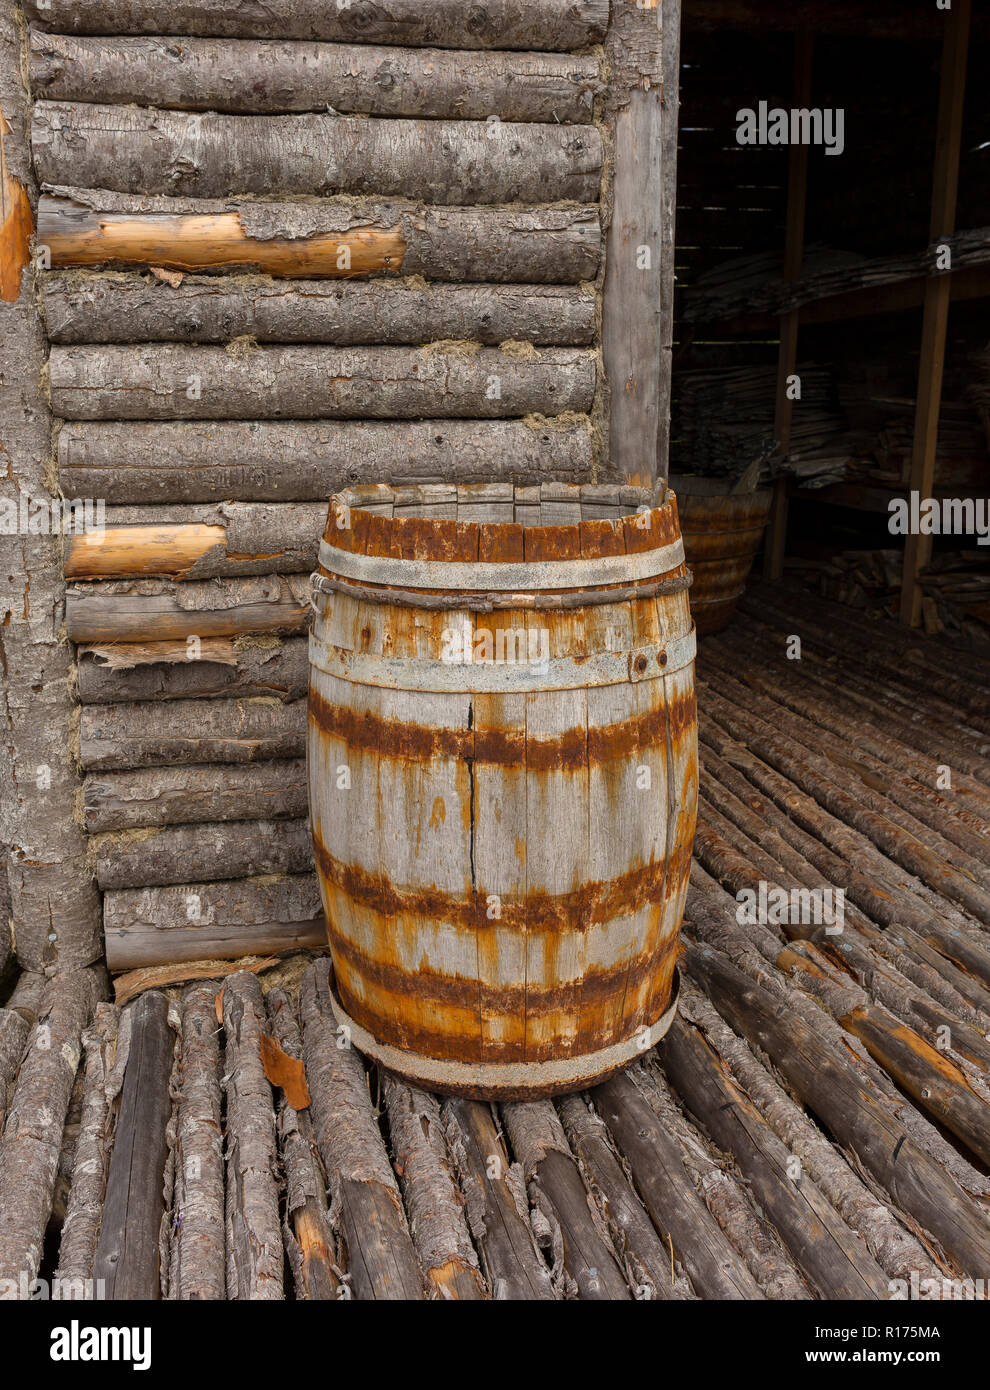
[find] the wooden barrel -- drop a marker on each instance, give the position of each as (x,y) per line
(722,532)
(503,778)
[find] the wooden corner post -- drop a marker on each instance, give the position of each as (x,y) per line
(54,903)
(638,199)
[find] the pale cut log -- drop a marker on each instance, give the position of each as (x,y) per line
(715,1268)
(309,1239)
(323,239)
(16,1021)
(161,796)
(432,1196)
(540,24)
(197,1260)
(197,853)
(29,1147)
(165,611)
(114,737)
(116,307)
(251,916)
(80,1231)
(644,1256)
(827,1252)
(382,1260)
(303,460)
(558,1192)
(495,1204)
(155,382)
(54,903)
(128,1256)
(829,1084)
(276,76)
(245,669)
(254,1233)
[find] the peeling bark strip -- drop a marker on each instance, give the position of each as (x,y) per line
(194,854)
(80,1233)
(197,1260)
(32,1136)
(136,150)
(555,25)
(155,382)
(164,611)
(249,916)
(190,731)
(128,1252)
(53,902)
(366,1203)
(121,308)
(261,461)
(638,273)
(272,76)
(335,240)
(433,1198)
(270,667)
(254,1235)
(190,795)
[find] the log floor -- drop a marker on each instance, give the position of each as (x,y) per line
(815,1125)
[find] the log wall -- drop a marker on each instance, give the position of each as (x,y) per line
(283,250)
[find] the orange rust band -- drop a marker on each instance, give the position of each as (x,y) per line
(16,225)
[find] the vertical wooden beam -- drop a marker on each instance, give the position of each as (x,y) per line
(633,331)
(797,198)
(938,291)
(669,127)
(54,904)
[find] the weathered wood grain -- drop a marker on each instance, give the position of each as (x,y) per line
(219,792)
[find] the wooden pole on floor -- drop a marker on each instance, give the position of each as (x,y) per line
(938,291)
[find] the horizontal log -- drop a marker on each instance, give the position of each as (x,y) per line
(115,307)
(249,916)
(276,76)
(152,610)
(134,149)
(328,240)
(158,796)
(541,24)
(188,461)
(200,542)
(114,737)
(202,852)
(110,675)
(155,382)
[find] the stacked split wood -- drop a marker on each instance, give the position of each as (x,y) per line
(284,253)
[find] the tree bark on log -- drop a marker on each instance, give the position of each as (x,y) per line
(496,1206)
(197,853)
(196,921)
(511,24)
(155,796)
(716,1270)
(278,76)
(197,1254)
(645,1257)
(164,611)
(128,1253)
(155,382)
(828,1084)
(81,1229)
(323,239)
(115,737)
(578,1233)
(302,460)
(16,1021)
(309,1239)
(116,307)
(433,1199)
(266,668)
(366,1202)
(254,1233)
(55,906)
(32,1136)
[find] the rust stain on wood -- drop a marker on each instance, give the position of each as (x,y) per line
(16,225)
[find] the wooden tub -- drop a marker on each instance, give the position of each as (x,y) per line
(722,533)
